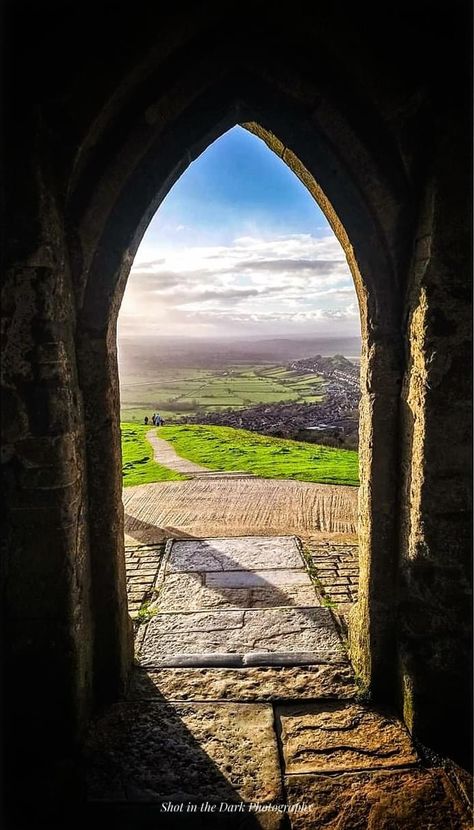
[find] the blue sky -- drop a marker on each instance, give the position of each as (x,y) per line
(239,247)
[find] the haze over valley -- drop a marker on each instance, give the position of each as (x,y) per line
(297,388)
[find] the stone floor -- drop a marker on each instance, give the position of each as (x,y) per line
(243,709)
(333,565)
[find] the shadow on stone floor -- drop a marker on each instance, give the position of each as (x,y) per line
(247,586)
(173,593)
(154,764)
(147,534)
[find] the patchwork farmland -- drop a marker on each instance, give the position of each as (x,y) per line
(186,391)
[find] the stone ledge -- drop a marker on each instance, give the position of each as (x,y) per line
(249,684)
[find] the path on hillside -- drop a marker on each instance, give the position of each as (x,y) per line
(214,503)
(165,454)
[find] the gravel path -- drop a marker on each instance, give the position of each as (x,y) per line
(233,504)
(165,454)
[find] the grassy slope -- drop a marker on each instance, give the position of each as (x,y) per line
(224,448)
(137,458)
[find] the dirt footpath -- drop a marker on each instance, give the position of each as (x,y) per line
(237,507)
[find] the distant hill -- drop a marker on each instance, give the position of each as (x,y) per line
(142,355)
(326,365)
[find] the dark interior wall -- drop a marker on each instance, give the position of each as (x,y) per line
(46,615)
(99,125)
(436,552)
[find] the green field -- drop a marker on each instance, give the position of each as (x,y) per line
(178,392)
(224,448)
(137,458)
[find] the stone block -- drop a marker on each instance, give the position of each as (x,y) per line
(334,737)
(249,684)
(257,579)
(158,752)
(200,621)
(415,799)
(241,553)
(328,590)
(188,591)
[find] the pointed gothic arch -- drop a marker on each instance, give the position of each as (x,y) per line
(112,223)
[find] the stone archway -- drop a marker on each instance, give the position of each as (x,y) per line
(93,148)
(376,258)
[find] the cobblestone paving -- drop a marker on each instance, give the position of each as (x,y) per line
(142,564)
(335,568)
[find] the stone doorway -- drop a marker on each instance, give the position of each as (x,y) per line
(97,129)
(380,382)
(198,665)
(93,149)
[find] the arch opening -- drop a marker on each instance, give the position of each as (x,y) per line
(371,264)
(240,302)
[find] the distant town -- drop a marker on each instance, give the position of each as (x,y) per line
(304,389)
(333,421)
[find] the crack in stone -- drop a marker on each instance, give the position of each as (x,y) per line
(329,750)
(354,723)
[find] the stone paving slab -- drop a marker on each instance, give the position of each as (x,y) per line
(257,579)
(249,684)
(188,591)
(307,634)
(199,622)
(155,752)
(415,799)
(334,737)
(230,554)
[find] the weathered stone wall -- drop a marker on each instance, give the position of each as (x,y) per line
(436,566)
(348,102)
(47,631)
(113,635)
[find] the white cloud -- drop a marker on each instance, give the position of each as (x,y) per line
(264,285)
